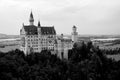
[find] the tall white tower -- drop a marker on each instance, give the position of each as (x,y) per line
(31,19)
(74,34)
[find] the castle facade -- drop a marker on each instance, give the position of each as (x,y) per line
(37,38)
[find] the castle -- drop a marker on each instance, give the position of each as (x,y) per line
(37,38)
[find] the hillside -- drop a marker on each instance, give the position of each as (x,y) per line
(4,36)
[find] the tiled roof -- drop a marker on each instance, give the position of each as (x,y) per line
(32,30)
(48,30)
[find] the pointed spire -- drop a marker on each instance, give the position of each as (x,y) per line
(39,25)
(31,15)
(23,24)
(31,20)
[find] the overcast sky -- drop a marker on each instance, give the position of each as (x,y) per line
(90,16)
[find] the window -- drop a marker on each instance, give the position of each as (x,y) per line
(36,45)
(28,42)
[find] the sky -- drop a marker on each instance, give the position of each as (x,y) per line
(97,17)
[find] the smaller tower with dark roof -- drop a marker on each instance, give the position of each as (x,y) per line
(39,28)
(39,25)
(31,19)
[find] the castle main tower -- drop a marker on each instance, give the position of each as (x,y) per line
(74,34)
(31,19)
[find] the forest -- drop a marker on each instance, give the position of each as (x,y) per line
(85,62)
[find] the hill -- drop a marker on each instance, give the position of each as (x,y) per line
(5,36)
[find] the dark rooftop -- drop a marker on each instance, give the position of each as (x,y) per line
(32,30)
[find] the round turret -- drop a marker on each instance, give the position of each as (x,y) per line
(74,29)
(74,34)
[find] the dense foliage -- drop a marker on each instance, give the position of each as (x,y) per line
(85,63)
(111,51)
